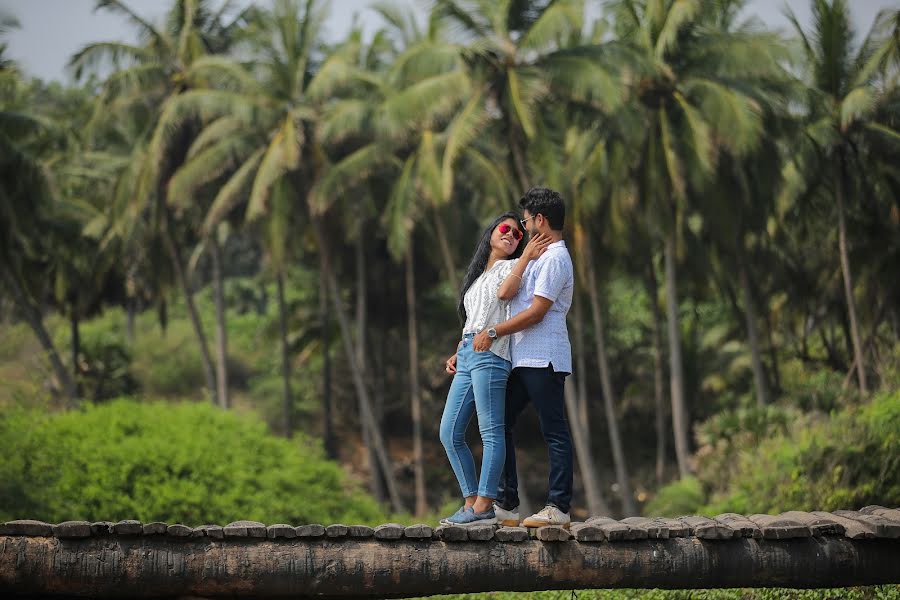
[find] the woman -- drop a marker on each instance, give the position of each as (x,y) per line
(479,381)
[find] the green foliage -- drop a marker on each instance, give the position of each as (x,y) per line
(677,499)
(774,459)
(188,463)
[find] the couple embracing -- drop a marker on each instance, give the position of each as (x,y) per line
(514,350)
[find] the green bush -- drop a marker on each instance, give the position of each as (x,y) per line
(189,463)
(771,460)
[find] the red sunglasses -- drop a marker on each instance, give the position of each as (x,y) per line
(505,228)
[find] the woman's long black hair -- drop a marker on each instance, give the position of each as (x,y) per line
(480,258)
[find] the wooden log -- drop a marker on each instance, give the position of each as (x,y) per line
(418,532)
(26,527)
(741,524)
(159,566)
(709,529)
(882,527)
(389,531)
(361,531)
(586,532)
(819,526)
(72,529)
(853,529)
(892,514)
(127,527)
(777,528)
(552,533)
(281,530)
(613,530)
(655,530)
(312,530)
(337,530)
(511,534)
(676,528)
(179,530)
(155,528)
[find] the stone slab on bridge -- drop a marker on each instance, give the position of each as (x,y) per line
(245,558)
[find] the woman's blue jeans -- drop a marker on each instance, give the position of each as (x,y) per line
(479,386)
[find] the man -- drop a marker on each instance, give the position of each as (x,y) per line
(541,359)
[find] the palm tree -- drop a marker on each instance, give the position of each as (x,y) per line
(692,91)
(261,151)
(153,75)
(522,51)
(25,215)
(842,107)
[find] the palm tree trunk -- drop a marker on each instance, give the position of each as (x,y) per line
(596,504)
(414,390)
(361,345)
(518,156)
(366,414)
(676,371)
(36,322)
(581,367)
(206,358)
(446,253)
(76,341)
(325,319)
(848,281)
(221,330)
(287,400)
(759,373)
(658,375)
(615,439)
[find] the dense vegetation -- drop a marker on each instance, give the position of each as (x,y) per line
(233,209)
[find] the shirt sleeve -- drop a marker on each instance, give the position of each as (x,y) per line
(551,278)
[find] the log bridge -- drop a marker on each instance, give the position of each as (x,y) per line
(79,559)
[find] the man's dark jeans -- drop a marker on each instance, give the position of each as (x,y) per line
(545,388)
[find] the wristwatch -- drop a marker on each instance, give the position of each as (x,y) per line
(492,333)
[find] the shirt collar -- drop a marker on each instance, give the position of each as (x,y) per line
(559,244)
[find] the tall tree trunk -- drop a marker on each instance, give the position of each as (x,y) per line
(35,321)
(658,373)
(759,373)
(518,155)
(181,278)
(287,400)
(76,342)
(446,253)
(615,439)
(361,345)
(596,504)
(365,405)
(848,281)
(221,330)
(325,320)
(129,321)
(414,390)
(581,367)
(676,371)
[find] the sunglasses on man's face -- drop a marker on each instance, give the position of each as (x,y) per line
(505,228)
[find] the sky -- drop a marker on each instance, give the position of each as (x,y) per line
(52,30)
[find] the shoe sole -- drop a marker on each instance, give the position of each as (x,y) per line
(510,522)
(537,524)
(477,523)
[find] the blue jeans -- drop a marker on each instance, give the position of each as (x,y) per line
(478,386)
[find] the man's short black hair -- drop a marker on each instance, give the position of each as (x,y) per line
(547,202)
